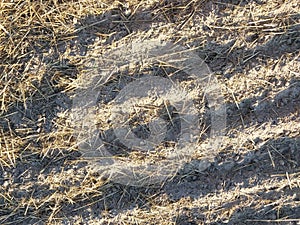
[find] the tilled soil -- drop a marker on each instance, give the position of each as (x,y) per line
(251,47)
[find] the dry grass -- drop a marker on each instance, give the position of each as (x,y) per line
(251,46)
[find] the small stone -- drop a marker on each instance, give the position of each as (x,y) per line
(227,165)
(200,165)
(281,162)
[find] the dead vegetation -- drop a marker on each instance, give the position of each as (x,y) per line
(251,46)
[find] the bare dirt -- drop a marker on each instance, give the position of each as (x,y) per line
(252,47)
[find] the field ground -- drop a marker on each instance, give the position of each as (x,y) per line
(252,47)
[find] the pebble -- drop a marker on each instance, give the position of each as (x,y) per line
(227,166)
